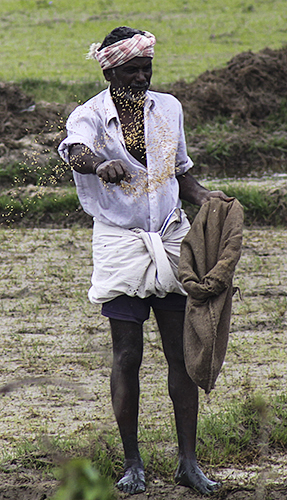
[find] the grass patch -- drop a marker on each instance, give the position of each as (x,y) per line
(223,148)
(261,206)
(48,206)
(17,174)
(191,36)
(233,436)
(61,92)
(237,433)
(278,430)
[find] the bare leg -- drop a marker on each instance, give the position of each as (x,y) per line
(184,394)
(127,356)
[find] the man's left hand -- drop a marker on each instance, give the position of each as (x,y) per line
(190,190)
(206,196)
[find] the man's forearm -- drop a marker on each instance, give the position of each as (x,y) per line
(190,190)
(82,159)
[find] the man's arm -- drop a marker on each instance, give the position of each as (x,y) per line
(190,190)
(84,161)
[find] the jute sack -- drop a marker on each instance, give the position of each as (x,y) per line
(209,254)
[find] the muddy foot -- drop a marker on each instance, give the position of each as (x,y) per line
(193,477)
(133,481)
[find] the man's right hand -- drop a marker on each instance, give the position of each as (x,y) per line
(113,171)
(84,161)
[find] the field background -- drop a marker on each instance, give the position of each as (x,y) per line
(54,339)
(48,40)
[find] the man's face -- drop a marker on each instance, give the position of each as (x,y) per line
(133,77)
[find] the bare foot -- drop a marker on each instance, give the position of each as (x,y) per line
(190,475)
(133,481)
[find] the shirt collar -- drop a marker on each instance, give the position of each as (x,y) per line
(111,110)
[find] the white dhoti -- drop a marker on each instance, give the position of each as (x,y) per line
(135,262)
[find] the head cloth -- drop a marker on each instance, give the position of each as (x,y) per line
(123,51)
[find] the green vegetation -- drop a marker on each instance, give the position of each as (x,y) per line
(241,433)
(223,148)
(261,205)
(80,480)
(40,205)
(47,40)
(62,92)
(236,434)
(50,196)
(17,174)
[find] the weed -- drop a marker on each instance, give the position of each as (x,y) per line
(79,479)
(278,432)
(260,205)
(17,174)
(40,204)
(235,434)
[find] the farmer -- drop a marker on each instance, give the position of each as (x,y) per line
(127,149)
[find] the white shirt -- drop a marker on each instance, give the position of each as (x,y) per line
(153,192)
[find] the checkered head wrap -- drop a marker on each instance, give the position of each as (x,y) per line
(123,51)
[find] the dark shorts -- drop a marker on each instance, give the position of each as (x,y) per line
(137,310)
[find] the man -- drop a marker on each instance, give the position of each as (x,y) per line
(127,150)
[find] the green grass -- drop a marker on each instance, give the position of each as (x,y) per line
(47,40)
(17,174)
(62,92)
(52,206)
(46,202)
(263,206)
(224,147)
(80,480)
(235,435)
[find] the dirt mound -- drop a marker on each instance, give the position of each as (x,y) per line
(29,132)
(20,115)
(12,100)
(250,88)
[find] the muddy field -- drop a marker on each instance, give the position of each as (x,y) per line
(56,347)
(50,331)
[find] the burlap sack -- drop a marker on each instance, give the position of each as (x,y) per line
(209,254)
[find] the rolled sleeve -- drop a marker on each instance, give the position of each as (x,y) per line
(80,130)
